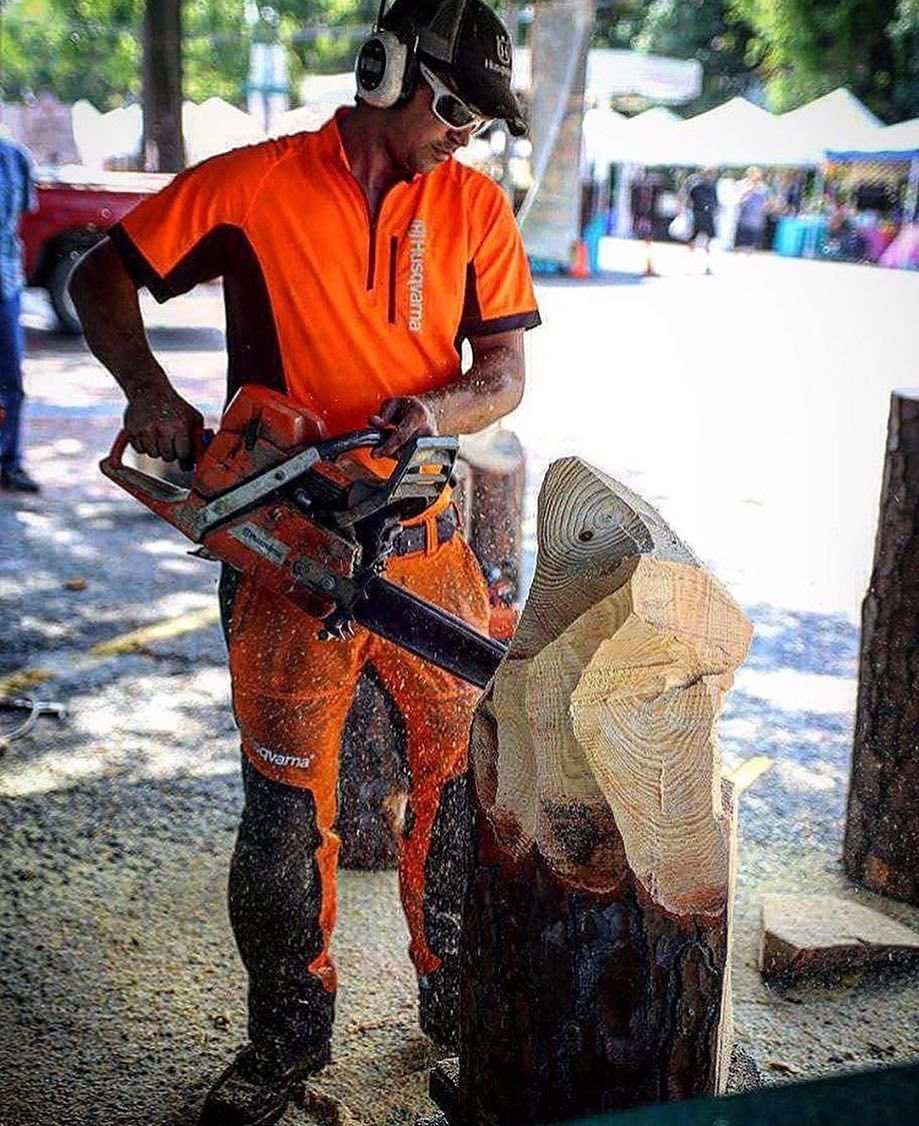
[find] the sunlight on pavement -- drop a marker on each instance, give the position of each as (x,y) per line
(799,691)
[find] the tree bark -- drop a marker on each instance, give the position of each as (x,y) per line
(597,926)
(881,847)
(497,466)
(164,150)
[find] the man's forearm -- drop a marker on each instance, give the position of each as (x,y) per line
(106,301)
(158,420)
(491,389)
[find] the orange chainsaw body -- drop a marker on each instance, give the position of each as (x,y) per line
(260,430)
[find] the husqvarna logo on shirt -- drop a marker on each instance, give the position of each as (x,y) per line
(416,236)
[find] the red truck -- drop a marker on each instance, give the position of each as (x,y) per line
(72,215)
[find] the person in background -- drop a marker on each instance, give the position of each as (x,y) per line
(643,204)
(754,202)
(17,195)
(703,204)
(728,210)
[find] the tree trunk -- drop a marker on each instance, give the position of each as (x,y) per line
(498,471)
(882,828)
(164,150)
(596,940)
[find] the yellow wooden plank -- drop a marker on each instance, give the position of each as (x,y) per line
(744,775)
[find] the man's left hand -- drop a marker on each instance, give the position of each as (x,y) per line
(402,419)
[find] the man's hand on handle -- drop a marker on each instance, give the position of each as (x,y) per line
(402,419)
(163,425)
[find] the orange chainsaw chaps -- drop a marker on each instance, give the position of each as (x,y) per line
(292,693)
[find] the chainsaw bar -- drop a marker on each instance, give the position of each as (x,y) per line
(429,632)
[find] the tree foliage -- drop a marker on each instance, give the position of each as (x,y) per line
(712,33)
(812,46)
(73,48)
(92,48)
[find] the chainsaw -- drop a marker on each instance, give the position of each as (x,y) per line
(306,517)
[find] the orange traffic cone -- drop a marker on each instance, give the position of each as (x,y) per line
(580,266)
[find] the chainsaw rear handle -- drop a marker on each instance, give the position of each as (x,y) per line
(160,496)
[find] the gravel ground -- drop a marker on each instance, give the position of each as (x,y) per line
(121,992)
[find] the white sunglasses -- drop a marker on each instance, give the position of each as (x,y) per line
(451,109)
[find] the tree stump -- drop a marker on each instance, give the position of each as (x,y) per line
(498,476)
(881,847)
(597,924)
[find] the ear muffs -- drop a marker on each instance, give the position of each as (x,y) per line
(384,69)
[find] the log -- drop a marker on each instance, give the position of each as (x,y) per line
(498,476)
(597,923)
(881,848)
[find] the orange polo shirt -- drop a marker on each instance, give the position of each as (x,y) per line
(337,311)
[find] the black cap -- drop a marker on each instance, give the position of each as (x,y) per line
(466,43)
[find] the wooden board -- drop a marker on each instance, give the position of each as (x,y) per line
(803,934)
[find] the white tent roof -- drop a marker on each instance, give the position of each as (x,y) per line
(101,136)
(601,136)
(836,121)
(734,133)
(215,126)
(649,137)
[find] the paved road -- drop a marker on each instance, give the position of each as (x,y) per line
(749,406)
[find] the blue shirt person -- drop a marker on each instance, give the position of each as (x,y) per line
(17,194)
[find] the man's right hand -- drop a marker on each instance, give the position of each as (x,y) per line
(163,425)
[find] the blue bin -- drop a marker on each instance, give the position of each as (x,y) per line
(789,236)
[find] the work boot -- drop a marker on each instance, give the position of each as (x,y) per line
(18,481)
(255,1092)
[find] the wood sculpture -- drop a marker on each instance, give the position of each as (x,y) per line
(597,925)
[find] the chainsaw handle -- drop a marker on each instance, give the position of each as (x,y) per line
(202,439)
(160,496)
(332,448)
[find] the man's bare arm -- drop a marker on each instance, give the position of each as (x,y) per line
(491,388)
(158,420)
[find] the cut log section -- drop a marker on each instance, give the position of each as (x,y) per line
(881,847)
(816,934)
(596,942)
(497,470)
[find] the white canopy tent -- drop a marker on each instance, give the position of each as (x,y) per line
(835,121)
(736,133)
(601,133)
(891,142)
(101,137)
(648,138)
(215,126)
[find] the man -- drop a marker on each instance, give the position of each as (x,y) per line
(17,194)
(703,202)
(355,261)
